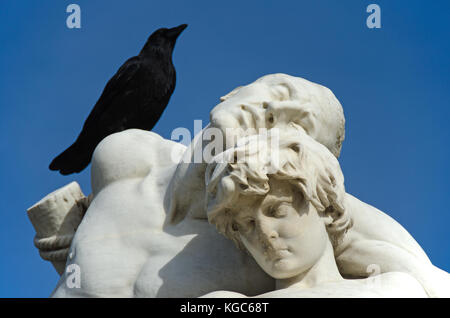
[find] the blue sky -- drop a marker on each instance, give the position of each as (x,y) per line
(393,83)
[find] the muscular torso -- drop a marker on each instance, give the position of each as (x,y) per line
(126,248)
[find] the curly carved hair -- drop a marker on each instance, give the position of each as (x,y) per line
(297,158)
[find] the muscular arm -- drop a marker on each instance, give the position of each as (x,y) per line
(378,240)
(130,174)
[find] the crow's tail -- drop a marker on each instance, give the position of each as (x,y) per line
(73,159)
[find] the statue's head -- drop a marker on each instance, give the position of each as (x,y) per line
(272,101)
(278,99)
(283,213)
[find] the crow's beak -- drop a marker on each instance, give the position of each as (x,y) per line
(175,32)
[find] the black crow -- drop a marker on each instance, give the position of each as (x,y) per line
(135,97)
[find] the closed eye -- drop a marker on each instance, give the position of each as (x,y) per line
(250,222)
(279,211)
(245,225)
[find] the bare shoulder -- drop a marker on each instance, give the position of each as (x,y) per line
(367,218)
(132,153)
(396,284)
(388,285)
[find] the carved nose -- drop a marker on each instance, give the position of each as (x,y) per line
(223,119)
(266,231)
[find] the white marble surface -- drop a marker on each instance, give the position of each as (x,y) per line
(146,234)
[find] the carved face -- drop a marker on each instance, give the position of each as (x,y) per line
(277,100)
(284,234)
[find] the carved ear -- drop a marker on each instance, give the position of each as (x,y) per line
(233,92)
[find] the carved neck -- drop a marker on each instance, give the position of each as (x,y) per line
(325,270)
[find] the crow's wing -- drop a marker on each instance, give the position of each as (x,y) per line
(116,88)
(108,116)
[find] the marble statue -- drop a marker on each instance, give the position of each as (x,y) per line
(145,230)
(291,219)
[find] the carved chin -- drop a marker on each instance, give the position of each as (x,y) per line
(282,269)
